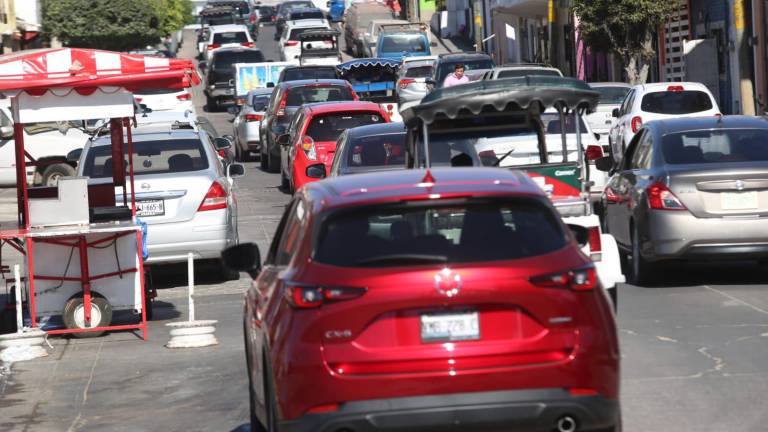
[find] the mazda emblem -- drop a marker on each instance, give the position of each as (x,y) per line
(447,282)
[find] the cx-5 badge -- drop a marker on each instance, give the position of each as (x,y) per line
(447,282)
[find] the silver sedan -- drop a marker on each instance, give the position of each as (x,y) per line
(248,122)
(411,79)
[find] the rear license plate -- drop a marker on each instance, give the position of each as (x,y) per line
(150,208)
(739,200)
(450,327)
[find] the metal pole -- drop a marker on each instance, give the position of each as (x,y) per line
(191,281)
(425,138)
(742,59)
(563,138)
(19,320)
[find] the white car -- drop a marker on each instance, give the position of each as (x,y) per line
(227,36)
(248,122)
(165,99)
(612,94)
(646,102)
(289,40)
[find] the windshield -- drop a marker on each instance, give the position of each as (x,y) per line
(150,157)
(513,73)
(226,59)
(415,235)
(377,151)
(552,125)
(298,96)
(612,95)
(716,146)
(259,103)
(302,15)
(229,38)
(419,72)
(294,35)
(403,43)
(328,127)
(219,20)
(310,73)
(448,67)
(287,7)
(676,102)
(60,126)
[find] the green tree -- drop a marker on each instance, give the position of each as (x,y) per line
(624,27)
(174,14)
(116,25)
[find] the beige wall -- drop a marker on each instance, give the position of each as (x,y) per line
(7,24)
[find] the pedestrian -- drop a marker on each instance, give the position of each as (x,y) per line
(168,42)
(457,77)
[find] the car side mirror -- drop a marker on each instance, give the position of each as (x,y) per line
(284,140)
(580,233)
(234,110)
(235,170)
(597,136)
(74,155)
(316,171)
(615,113)
(244,257)
(222,143)
(605,163)
(6,132)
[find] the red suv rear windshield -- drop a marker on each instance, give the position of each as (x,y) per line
(676,102)
(457,233)
(328,127)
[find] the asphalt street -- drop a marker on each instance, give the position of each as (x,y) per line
(694,350)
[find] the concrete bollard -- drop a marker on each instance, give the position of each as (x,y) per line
(25,344)
(192,333)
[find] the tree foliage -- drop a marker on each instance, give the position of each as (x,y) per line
(623,27)
(117,25)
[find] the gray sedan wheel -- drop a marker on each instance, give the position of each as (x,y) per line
(641,272)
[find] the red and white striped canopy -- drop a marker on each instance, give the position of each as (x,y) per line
(43,69)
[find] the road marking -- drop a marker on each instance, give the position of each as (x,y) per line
(737,300)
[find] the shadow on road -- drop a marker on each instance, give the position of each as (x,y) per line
(681,274)
(175,275)
(245,427)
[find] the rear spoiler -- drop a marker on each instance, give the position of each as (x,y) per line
(319,35)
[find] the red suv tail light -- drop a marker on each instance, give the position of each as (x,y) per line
(184,96)
(405,82)
(637,121)
(582,279)
(307,297)
(595,244)
(253,117)
(215,199)
(661,198)
(594,152)
(213,46)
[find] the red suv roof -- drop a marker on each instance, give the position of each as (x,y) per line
(350,106)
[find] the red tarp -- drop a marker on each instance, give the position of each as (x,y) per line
(79,67)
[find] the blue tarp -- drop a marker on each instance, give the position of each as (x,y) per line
(367,62)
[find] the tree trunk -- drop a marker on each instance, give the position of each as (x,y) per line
(636,69)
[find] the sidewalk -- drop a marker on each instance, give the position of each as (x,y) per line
(453,44)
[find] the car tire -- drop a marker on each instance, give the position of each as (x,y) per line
(52,173)
(273,165)
(641,272)
(211,104)
(271,400)
(101,310)
(256,425)
(263,160)
(285,184)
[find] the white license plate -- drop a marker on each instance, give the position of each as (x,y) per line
(739,200)
(150,208)
(450,327)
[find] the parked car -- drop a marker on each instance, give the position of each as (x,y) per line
(245,14)
(308,145)
(397,44)
(304,13)
(288,96)
(282,13)
(445,64)
(646,102)
(165,99)
(455,296)
(220,74)
(371,35)
(412,78)
(247,123)
(186,197)
(290,50)
(357,18)
(690,189)
(522,69)
(227,36)
(313,72)
(376,147)
(612,94)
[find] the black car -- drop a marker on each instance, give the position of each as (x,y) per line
(220,74)
(282,13)
(244,13)
(377,147)
(296,73)
(267,14)
(286,99)
(446,63)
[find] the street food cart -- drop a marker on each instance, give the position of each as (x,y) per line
(374,80)
(81,241)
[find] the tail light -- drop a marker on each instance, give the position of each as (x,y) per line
(274,18)
(405,82)
(307,297)
(594,152)
(611,195)
(184,96)
(222,153)
(215,198)
(637,121)
(283,102)
(595,244)
(291,43)
(308,145)
(661,198)
(138,99)
(253,117)
(248,44)
(323,409)
(213,46)
(582,279)
(253,19)
(581,391)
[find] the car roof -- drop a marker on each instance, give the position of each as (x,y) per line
(346,106)
(329,81)
(664,85)
(228,28)
(680,124)
(152,132)
(524,66)
(312,22)
(412,59)
(377,129)
(306,9)
(261,91)
(463,56)
(411,184)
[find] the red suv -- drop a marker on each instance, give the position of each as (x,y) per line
(409,300)
(307,149)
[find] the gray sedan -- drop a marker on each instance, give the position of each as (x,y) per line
(377,147)
(411,78)
(247,123)
(694,188)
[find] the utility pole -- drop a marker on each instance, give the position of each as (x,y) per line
(552,32)
(741,55)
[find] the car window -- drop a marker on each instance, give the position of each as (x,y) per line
(552,124)
(366,17)
(676,102)
(629,155)
(295,32)
(296,120)
(259,102)
(150,157)
(418,72)
(641,157)
(291,236)
(341,145)
(300,95)
(403,43)
(5,120)
(716,146)
(226,59)
(302,15)
(309,73)
(447,67)
(626,106)
(612,95)
(459,233)
(229,38)
(272,254)
(377,151)
(328,127)
(512,73)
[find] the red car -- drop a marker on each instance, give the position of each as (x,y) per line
(409,300)
(308,147)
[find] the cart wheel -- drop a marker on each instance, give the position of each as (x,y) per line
(74,314)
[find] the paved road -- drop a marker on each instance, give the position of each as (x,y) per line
(695,351)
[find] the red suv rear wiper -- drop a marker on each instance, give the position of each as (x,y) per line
(403,258)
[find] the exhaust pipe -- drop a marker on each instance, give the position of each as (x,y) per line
(566,423)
